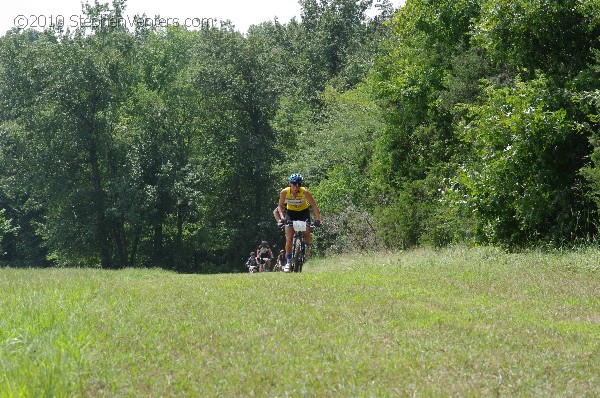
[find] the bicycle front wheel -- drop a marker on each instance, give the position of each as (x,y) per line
(298,255)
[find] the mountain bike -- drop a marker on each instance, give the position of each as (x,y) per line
(263,263)
(278,265)
(298,246)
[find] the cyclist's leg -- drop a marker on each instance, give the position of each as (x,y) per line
(289,236)
(307,236)
(307,242)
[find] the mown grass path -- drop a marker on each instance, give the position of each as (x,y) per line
(454,322)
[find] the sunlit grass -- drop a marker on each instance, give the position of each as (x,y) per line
(453,322)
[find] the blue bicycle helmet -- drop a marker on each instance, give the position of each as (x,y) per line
(296,179)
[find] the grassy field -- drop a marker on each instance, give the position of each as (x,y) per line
(454,322)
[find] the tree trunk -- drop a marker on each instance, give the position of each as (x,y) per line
(121,241)
(134,247)
(98,201)
(158,244)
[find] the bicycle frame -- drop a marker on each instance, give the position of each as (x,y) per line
(262,263)
(298,246)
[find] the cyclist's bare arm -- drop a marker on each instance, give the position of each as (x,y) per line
(281,205)
(313,204)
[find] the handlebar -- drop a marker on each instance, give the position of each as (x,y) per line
(289,223)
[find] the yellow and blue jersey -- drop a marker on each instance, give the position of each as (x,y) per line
(296,203)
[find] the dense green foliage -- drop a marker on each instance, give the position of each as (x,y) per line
(443,121)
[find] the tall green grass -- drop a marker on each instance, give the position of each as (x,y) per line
(454,322)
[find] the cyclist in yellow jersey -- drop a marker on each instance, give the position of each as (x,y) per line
(294,202)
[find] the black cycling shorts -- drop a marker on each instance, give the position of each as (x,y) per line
(301,215)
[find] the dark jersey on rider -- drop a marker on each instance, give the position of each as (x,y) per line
(263,251)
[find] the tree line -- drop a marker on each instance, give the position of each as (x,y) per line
(440,122)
